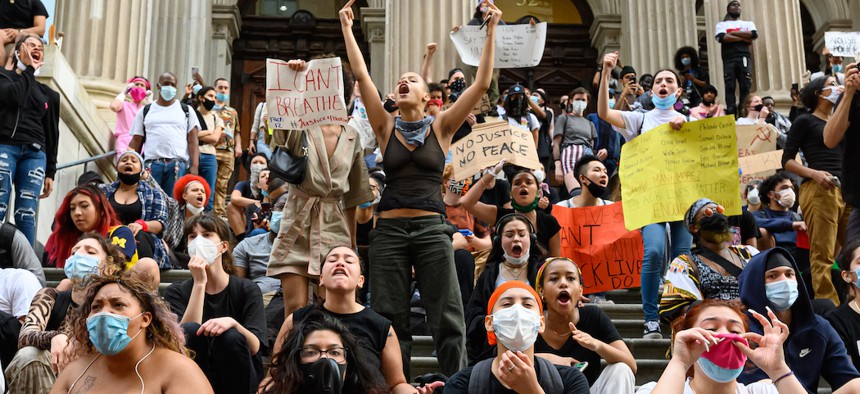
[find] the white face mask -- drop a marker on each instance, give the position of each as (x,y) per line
(517,261)
(204,248)
(787,198)
(194,210)
(834,95)
(516,327)
(579,106)
(540,175)
(753,198)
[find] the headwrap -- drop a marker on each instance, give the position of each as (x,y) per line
(539,277)
(491,337)
(141,79)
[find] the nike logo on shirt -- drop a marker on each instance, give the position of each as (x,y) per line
(804,352)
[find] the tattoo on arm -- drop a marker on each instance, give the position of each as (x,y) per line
(89,382)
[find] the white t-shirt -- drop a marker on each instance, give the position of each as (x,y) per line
(528,123)
(729,26)
(17,289)
(755,388)
(745,121)
(167,131)
(570,204)
(636,123)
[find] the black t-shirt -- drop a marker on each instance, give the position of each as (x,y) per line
(19,14)
(241,300)
(596,323)
(851,162)
(244,187)
(547,225)
(369,328)
(846,322)
(499,195)
(807,135)
(573,380)
(743,227)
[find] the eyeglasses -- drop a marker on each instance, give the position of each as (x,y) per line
(310,354)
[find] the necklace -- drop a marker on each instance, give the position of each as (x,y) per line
(518,270)
(553,330)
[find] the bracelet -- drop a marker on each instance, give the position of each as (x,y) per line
(142,224)
(775,382)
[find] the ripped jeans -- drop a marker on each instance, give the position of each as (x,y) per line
(24,167)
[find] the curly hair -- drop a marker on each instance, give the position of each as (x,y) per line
(288,379)
(164,330)
(689,51)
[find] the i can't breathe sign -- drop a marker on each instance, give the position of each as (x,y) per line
(297,100)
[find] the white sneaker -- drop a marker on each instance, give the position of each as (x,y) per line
(652,330)
(601,300)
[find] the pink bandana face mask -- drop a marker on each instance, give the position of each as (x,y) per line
(137,94)
(724,362)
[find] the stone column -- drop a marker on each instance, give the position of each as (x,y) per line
(226,24)
(777,54)
(605,34)
(106,42)
(373,26)
(652,31)
(414,23)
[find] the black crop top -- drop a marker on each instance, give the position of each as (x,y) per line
(413,179)
(126,213)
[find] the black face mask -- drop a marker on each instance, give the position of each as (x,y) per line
(516,107)
(715,228)
(325,376)
(128,179)
(208,104)
(458,85)
(596,189)
(389,105)
(708,103)
(735,15)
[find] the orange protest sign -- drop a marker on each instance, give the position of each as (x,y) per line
(609,256)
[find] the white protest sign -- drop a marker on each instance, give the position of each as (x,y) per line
(297,100)
(490,142)
(842,43)
(516,45)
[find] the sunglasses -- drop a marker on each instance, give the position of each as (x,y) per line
(710,211)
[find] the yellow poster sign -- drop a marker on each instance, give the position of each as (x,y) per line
(663,171)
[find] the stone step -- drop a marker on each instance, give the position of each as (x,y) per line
(622,311)
(422,346)
(625,296)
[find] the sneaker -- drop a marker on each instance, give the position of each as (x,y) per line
(652,330)
(597,299)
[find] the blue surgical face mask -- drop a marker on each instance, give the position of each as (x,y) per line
(168,93)
(222,97)
(685,61)
(857,273)
(837,68)
(782,294)
(664,103)
(196,88)
(109,332)
(80,265)
(275,221)
(611,103)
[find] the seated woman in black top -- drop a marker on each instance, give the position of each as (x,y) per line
(411,230)
(581,334)
(221,314)
(301,367)
(514,320)
(340,275)
(525,195)
(514,256)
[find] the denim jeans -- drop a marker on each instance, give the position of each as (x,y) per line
(654,239)
(262,147)
(24,168)
(398,245)
(165,173)
(208,166)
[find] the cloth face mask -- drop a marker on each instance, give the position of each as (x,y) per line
(724,362)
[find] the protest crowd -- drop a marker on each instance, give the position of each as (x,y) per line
(496,219)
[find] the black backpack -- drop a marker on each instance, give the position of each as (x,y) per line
(7,234)
(146,108)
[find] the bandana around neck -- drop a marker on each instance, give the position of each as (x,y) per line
(413,132)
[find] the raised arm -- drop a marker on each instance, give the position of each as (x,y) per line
(834,130)
(380,120)
(427,66)
(451,119)
(613,116)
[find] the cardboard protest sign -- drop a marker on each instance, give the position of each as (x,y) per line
(762,162)
(299,100)
(842,43)
(517,46)
(609,256)
(663,171)
(489,143)
(755,140)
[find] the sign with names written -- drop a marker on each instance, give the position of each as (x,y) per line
(842,43)
(488,143)
(516,45)
(297,100)
(609,256)
(663,171)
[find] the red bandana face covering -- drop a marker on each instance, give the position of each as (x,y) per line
(724,362)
